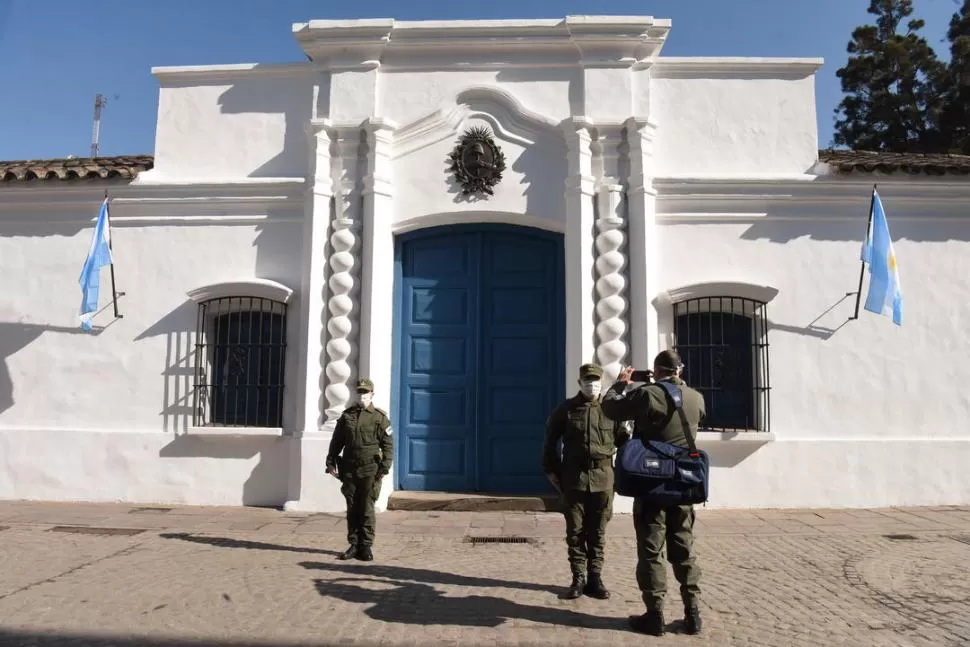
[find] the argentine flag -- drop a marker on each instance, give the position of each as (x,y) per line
(885,296)
(99,255)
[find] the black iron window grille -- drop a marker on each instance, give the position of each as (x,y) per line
(723,343)
(240,355)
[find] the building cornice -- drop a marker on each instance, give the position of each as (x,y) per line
(806,197)
(216,73)
(587,40)
(149,203)
(717,67)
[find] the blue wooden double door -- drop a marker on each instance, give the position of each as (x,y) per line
(480,345)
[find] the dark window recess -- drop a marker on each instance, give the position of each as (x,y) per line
(723,342)
(240,354)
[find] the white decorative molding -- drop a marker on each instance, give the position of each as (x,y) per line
(155,202)
(464,217)
(344,44)
(807,198)
(377,259)
(482,44)
(642,260)
(693,67)
(234,431)
(617,40)
(229,73)
(610,284)
(254,287)
(339,323)
(507,117)
(739,289)
(344,266)
(580,192)
(314,274)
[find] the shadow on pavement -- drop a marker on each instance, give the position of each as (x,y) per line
(15,638)
(415,603)
(226,542)
(424,576)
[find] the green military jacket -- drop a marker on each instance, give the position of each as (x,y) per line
(362,434)
(589,439)
(654,415)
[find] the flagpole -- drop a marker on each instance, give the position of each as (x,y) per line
(862,270)
(114,292)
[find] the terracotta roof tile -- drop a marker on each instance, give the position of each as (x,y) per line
(129,166)
(78,168)
(848,161)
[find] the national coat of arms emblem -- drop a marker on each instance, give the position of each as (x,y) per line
(477,162)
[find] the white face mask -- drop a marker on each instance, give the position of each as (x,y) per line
(365,398)
(591,389)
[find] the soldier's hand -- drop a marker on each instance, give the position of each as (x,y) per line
(625,375)
(332,471)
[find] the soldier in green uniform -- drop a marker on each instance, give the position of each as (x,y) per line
(654,415)
(363,434)
(583,474)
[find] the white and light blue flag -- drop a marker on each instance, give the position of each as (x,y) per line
(885,296)
(99,255)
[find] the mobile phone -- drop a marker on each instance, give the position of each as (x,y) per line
(641,376)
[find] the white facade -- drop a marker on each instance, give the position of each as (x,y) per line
(668,179)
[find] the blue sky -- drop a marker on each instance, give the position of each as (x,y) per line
(58,54)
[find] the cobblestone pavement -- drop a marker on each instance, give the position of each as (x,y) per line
(253,576)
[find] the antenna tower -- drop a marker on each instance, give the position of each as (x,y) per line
(99,102)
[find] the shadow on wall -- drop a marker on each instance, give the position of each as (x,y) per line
(732,454)
(276,476)
(16,336)
(290,97)
(178,374)
(905,224)
(274,480)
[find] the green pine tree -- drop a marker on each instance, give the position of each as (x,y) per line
(892,84)
(956,116)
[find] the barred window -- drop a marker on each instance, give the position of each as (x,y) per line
(240,355)
(723,342)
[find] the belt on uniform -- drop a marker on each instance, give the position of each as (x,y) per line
(592,463)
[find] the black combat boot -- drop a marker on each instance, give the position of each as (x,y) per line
(576,588)
(692,620)
(365,554)
(350,553)
(595,588)
(651,622)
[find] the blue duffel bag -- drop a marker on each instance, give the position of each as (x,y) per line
(661,474)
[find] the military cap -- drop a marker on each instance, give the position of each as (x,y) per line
(364,385)
(590,370)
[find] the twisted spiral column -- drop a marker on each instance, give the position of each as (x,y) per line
(340,325)
(610,283)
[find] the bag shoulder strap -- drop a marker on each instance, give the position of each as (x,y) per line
(676,396)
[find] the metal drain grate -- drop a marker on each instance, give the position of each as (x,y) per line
(149,510)
(498,540)
(900,537)
(88,530)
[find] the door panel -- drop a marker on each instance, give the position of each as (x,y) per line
(439,333)
(482,327)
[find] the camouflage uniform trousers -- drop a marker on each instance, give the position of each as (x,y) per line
(361,493)
(671,528)
(587,514)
